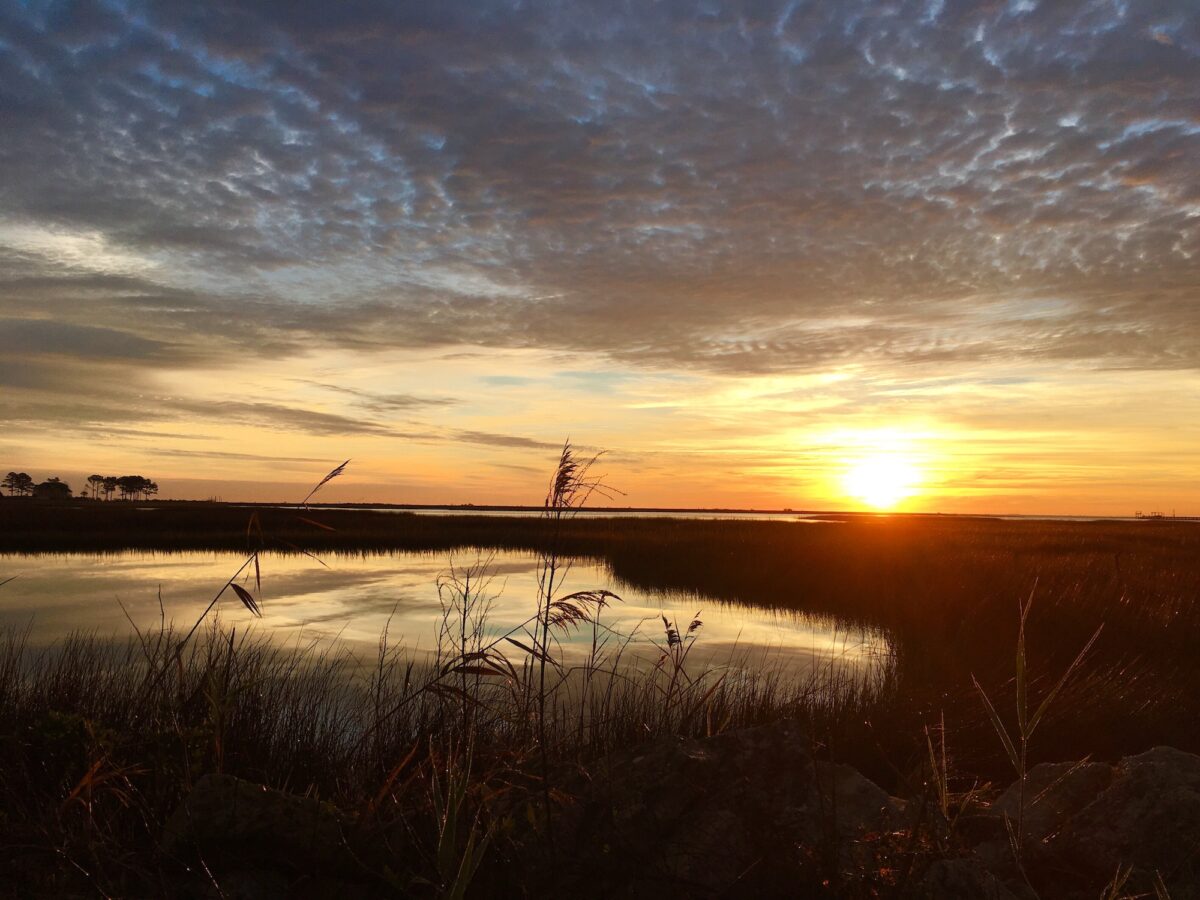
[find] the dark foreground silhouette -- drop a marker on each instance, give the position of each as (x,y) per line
(897,787)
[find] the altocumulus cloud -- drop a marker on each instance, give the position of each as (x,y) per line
(739,188)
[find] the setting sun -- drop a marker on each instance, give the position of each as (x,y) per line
(881,481)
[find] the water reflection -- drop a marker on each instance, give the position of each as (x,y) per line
(354,598)
(604,513)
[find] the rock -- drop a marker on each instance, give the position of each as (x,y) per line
(235,819)
(1148,817)
(262,884)
(854,803)
(979,826)
(962,879)
(1084,822)
(1053,793)
(266,884)
(740,811)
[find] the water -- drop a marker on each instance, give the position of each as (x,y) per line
(829,517)
(354,598)
(601,513)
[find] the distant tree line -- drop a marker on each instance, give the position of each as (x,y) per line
(99,487)
(18,484)
(130,487)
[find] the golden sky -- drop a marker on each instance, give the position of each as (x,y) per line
(986,440)
(922,255)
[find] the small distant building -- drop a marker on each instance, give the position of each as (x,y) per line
(52,490)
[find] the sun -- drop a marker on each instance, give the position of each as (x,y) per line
(881,481)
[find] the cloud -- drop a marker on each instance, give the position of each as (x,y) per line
(44,336)
(241,457)
(763,187)
(490,439)
(382,403)
(278,417)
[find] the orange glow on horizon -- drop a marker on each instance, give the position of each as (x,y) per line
(821,441)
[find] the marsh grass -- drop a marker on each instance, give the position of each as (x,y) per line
(94,763)
(105,738)
(1016,742)
(101,739)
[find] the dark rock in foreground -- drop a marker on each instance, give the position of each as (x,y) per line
(1086,823)
(224,814)
(1147,817)
(744,813)
(965,878)
(256,842)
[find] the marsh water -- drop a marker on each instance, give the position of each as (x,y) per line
(351,600)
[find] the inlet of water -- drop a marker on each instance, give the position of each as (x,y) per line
(353,599)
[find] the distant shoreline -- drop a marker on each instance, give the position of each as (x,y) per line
(469,508)
(732,511)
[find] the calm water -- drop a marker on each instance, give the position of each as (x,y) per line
(357,597)
(828,517)
(732,515)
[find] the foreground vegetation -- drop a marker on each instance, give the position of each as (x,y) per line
(103,741)
(98,753)
(467,762)
(947,589)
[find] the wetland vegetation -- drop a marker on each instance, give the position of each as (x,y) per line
(465,760)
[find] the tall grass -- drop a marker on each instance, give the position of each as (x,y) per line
(94,762)
(107,737)
(1016,742)
(942,587)
(101,739)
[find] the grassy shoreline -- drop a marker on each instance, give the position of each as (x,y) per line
(96,753)
(946,590)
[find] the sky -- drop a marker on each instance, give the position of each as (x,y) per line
(761,253)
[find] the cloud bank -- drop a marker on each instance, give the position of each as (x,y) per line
(733,189)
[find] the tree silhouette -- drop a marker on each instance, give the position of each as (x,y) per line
(18,483)
(130,487)
(53,489)
(134,486)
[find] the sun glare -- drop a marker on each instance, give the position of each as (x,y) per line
(881,481)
